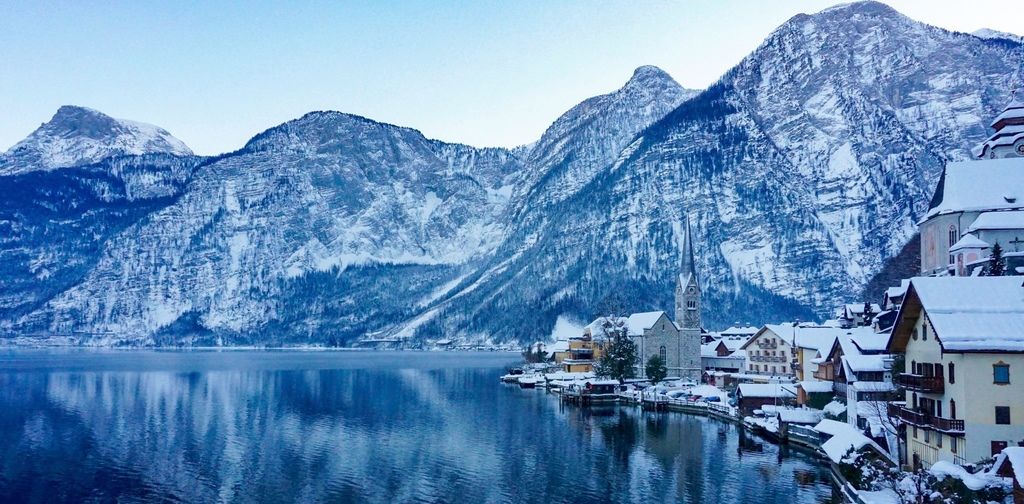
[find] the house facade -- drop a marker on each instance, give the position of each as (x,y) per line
(770,351)
(963,353)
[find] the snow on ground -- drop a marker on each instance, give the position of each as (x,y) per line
(942,468)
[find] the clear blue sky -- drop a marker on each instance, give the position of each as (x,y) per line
(480,72)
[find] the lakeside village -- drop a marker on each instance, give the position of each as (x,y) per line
(916,398)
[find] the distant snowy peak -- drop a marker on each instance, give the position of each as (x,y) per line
(587,138)
(78,136)
(987,33)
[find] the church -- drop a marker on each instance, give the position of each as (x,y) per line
(979,203)
(678,343)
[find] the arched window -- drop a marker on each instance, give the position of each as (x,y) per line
(952,409)
(952,377)
(663,353)
(952,241)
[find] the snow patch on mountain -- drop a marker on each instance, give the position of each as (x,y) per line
(78,136)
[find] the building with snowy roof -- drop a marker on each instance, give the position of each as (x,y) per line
(678,342)
(963,340)
(982,198)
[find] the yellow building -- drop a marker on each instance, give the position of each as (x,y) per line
(963,340)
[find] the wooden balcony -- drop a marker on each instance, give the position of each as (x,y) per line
(947,425)
(930,384)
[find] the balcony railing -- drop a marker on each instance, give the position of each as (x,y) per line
(932,384)
(948,425)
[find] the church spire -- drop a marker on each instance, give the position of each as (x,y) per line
(689,268)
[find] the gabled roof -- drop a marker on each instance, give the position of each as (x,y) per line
(969,241)
(768,390)
(968,314)
(1006,219)
(637,322)
(975,186)
(865,363)
(870,341)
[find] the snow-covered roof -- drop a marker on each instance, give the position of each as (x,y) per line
(895,292)
(1014,455)
(858,308)
(967,186)
(816,386)
(558,346)
(874,386)
(637,322)
(866,363)
(869,341)
(708,349)
(1007,219)
(969,313)
(801,416)
(844,437)
(1013,110)
(969,241)
(740,331)
(770,390)
(834,408)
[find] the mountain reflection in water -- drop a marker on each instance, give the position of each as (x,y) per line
(355,427)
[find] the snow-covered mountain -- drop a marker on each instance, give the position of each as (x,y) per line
(329,195)
(78,136)
(989,33)
(803,169)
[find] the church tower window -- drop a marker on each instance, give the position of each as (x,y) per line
(952,241)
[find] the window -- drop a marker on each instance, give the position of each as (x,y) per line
(924,332)
(952,377)
(952,409)
(1001,373)
(663,354)
(691,304)
(998,446)
(952,444)
(927,436)
(915,432)
(1002,415)
(938,439)
(913,364)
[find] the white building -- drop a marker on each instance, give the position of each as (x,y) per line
(981,199)
(963,340)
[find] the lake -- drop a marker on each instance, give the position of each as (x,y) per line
(308,426)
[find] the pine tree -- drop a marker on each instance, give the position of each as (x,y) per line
(619,359)
(996,262)
(656,369)
(868,313)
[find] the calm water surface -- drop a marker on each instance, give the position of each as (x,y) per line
(245,426)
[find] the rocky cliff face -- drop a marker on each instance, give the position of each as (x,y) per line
(802,170)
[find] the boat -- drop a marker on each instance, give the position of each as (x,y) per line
(529,381)
(512,376)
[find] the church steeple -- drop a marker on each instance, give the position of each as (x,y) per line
(688,303)
(1008,140)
